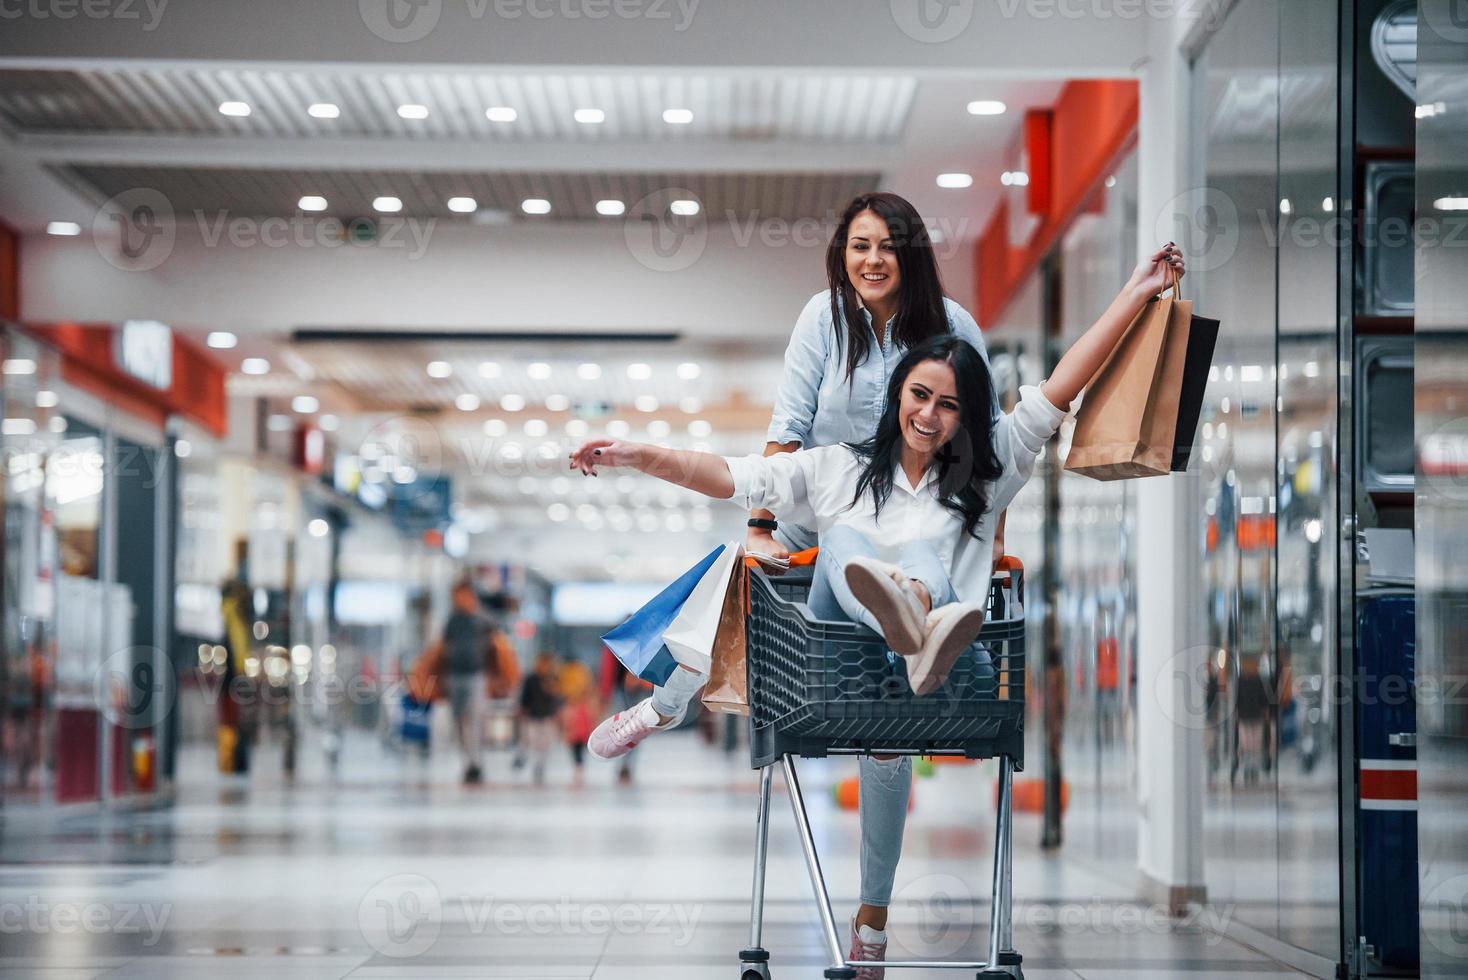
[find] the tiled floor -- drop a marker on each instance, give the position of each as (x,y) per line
(393,870)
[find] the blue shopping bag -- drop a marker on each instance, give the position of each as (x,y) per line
(638,643)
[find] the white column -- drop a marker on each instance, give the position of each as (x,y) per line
(1170,656)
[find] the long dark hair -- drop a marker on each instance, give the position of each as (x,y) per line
(967,462)
(920,312)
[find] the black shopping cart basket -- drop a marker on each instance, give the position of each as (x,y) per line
(827,688)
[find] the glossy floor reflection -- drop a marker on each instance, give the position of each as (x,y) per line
(393,870)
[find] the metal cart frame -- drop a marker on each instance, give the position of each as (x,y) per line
(985,733)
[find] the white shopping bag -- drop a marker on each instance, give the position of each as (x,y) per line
(690,639)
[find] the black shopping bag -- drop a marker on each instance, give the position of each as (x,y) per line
(1202,337)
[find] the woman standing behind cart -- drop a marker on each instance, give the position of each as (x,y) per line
(943,465)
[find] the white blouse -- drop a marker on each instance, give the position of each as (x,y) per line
(814,488)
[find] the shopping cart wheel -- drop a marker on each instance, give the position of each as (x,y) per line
(840,973)
(754,964)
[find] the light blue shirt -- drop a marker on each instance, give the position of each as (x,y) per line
(816,406)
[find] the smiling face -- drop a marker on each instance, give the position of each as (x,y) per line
(929,415)
(871,262)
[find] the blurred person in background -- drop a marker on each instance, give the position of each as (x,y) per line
(578,713)
(467,653)
(540,713)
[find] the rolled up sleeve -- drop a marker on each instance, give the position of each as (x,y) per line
(805,369)
(1019,436)
(780,484)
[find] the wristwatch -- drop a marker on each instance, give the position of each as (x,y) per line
(767,525)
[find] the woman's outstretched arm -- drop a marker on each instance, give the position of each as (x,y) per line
(1086,355)
(702,473)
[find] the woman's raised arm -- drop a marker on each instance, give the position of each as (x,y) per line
(1086,355)
(702,473)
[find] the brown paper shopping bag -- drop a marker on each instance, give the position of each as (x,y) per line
(1128,420)
(727,690)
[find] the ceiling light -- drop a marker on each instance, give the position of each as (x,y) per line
(495,428)
(329,423)
(1285,207)
(182,448)
(489,369)
(588,372)
(387,204)
(501,113)
(700,429)
(63,229)
(577,428)
(1111,181)
(234,108)
(689,371)
(412,110)
(610,207)
(639,372)
(690,405)
(323,110)
(986,107)
(557,403)
(512,403)
(1451,203)
(539,370)
(955,180)
(463,205)
(1327,205)
(255,365)
(659,429)
(318,528)
(536,428)
(684,207)
(646,403)
(47,399)
(304,405)
(466,401)
(535,205)
(590,117)
(312,202)
(439,369)
(558,512)
(618,429)
(678,117)
(221,339)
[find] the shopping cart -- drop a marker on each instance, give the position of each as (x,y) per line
(826,688)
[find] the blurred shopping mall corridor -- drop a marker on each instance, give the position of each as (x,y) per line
(392,869)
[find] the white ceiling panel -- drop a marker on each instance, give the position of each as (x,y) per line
(729,106)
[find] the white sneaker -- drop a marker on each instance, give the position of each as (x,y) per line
(887,594)
(950,629)
(621,733)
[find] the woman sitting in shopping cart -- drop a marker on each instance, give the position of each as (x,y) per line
(906,518)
